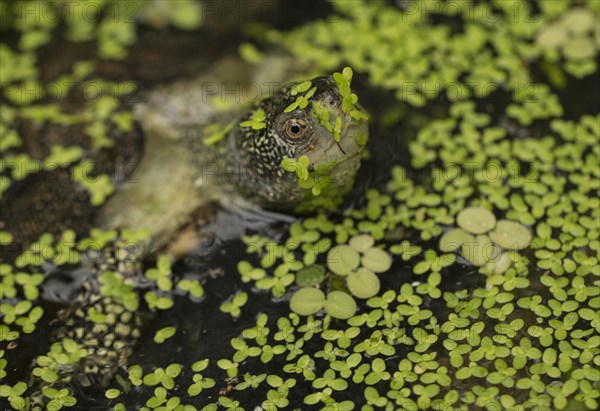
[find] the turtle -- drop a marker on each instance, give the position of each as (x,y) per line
(240,167)
(291,152)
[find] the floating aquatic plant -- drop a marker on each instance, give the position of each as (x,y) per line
(343,261)
(307,301)
(256,121)
(234,304)
(340,305)
(524,336)
(164,334)
(300,166)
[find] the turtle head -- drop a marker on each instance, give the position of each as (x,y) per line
(303,145)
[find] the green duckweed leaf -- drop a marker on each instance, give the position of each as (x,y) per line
(453,240)
(164,334)
(376,260)
(307,301)
(361,243)
(502,263)
(340,305)
(112,393)
(342,259)
(480,251)
(363,283)
(310,276)
(476,220)
(511,235)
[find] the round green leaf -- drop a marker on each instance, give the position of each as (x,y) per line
(342,259)
(363,283)
(307,301)
(340,305)
(112,393)
(361,242)
(579,20)
(511,235)
(476,220)
(552,36)
(579,48)
(452,240)
(310,276)
(376,260)
(502,263)
(479,251)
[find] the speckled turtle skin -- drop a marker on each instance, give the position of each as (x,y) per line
(103,345)
(260,152)
(109,343)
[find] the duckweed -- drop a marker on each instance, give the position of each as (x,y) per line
(307,301)
(112,26)
(476,220)
(510,235)
(310,276)
(300,166)
(112,393)
(376,260)
(518,331)
(363,283)
(343,259)
(234,304)
(256,121)
(485,249)
(453,239)
(340,305)
(480,251)
(164,334)
(301,101)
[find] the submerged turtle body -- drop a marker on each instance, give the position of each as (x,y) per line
(293,152)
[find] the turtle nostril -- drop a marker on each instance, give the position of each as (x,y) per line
(333,102)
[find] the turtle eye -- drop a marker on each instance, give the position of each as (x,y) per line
(295,128)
